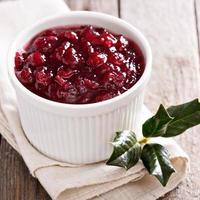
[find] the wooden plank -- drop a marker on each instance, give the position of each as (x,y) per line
(170,27)
(16,182)
(197,18)
(109,7)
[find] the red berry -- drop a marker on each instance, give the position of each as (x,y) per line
(71,36)
(51,91)
(36,59)
(64,83)
(43,77)
(86,47)
(70,57)
(111,78)
(45,44)
(91,84)
(97,59)
(60,51)
(116,58)
(122,43)
(90,34)
(50,32)
(19,61)
(25,75)
(119,79)
(108,40)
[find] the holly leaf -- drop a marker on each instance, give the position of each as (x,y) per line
(157,125)
(156,160)
(173,120)
(127,150)
(184,116)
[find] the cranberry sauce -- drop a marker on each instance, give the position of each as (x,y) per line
(79,65)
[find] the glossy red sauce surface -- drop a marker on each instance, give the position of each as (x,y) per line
(79,65)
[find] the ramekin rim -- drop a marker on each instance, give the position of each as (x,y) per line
(134,88)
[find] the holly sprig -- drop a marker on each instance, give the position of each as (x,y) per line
(167,122)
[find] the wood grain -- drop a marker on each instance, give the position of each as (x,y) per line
(15,181)
(171,28)
(109,7)
(197,17)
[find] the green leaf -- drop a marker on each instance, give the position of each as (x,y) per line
(127,150)
(185,116)
(157,125)
(156,160)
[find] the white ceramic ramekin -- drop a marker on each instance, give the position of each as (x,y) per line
(79,133)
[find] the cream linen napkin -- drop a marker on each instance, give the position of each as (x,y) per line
(62,180)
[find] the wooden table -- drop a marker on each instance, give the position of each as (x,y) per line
(173,30)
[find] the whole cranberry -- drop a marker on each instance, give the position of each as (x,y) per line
(119,79)
(19,60)
(97,59)
(71,57)
(122,43)
(91,84)
(86,47)
(49,32)
(90,34)
(60,51)
(71,36)
(111,78)
(107,39)
(25,75)
(64,83)
(116,58)
(36,59)
(44,44)
(43,77)
(51,91)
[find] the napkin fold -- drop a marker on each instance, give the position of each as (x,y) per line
(63,180)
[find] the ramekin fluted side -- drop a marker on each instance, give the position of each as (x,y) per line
(79,133)
(71,139)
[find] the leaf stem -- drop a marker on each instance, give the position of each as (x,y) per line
(144,140)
